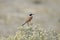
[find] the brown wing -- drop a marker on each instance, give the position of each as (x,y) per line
(29,19)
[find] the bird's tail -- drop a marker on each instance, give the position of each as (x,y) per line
(23,24)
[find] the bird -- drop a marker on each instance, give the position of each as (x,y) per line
(29,18)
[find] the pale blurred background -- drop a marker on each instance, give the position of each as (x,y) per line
(13,13)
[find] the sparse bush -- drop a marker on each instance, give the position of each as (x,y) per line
(33,33)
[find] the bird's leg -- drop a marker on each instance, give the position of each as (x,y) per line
(31,23)
(28,24)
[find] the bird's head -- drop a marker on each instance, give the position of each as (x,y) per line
(31,14)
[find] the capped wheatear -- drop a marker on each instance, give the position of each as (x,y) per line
(29,18)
